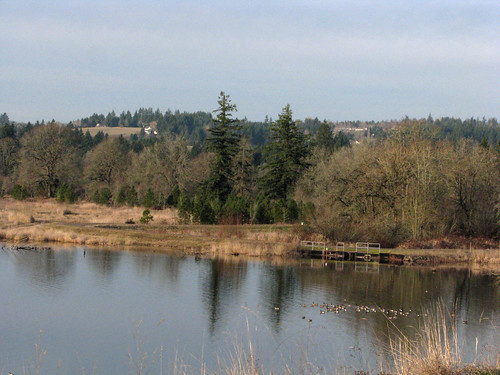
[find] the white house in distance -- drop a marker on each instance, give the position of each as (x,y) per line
(149,130)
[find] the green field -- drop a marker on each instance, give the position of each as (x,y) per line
(113,132)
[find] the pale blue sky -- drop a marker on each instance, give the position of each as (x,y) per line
(340,60)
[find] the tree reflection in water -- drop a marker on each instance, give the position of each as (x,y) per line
(47,269)
(220,282)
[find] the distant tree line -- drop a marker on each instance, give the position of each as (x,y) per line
(411,179)
(194,126)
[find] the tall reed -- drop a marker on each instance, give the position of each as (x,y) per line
(436,350)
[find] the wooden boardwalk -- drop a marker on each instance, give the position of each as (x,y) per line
(361,252)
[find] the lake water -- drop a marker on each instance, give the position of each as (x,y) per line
(93,311)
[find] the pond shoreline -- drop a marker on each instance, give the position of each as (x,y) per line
(44,222)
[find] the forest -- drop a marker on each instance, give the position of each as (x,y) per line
(389,182)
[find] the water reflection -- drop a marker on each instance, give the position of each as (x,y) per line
(164,268)
(103,262)
(466,296)
(276,289)
(220,282)
(196,296)
(47,269)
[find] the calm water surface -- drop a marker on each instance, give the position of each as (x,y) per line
(94,310)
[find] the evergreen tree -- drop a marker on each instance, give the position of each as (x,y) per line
(223,141)
(324,137)
(484,143)
(185,208)
(131,198)
(243,168)
(4,119)
(149,199)
(340,140)
(286,156)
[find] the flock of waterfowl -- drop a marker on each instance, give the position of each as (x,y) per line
(390,314)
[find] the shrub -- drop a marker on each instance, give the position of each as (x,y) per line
(132,197)
(291,211)
(262,214)
(66,193)
(106,196)
(185,208)
(146,216)
(235,210)
(307,211)
(173,198)
(149,199)
(102,197)
(60,193)
(202,210)
(278,211)
(19,192)
(96,197)
(121,198)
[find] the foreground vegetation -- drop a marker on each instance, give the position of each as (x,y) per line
(414,180)
(435,350)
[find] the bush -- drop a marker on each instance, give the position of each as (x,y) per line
(132,197)
(102,197)
(278,211)
(106,196)
(146,216)
(262,214)
(235,210)
(65,193)
(185,208)
(202,210)
(307,211)
(96,197)
(149,199)
(19,192)
(291,211)
(60,193)
(173,198)
(121,198)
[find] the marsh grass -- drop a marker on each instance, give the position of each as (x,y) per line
(484,256)
(42,221)
(436,350)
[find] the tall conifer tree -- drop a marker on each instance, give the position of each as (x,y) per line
(286,160)
(223,141)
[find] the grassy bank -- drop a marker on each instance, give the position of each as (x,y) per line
(45,221)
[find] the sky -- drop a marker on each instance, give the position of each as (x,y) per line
(335,60)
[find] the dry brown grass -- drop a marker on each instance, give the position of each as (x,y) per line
(113,131)
(48,210)
(252,248)
(483,257)
(436,350)
(453,242)
(46,220)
